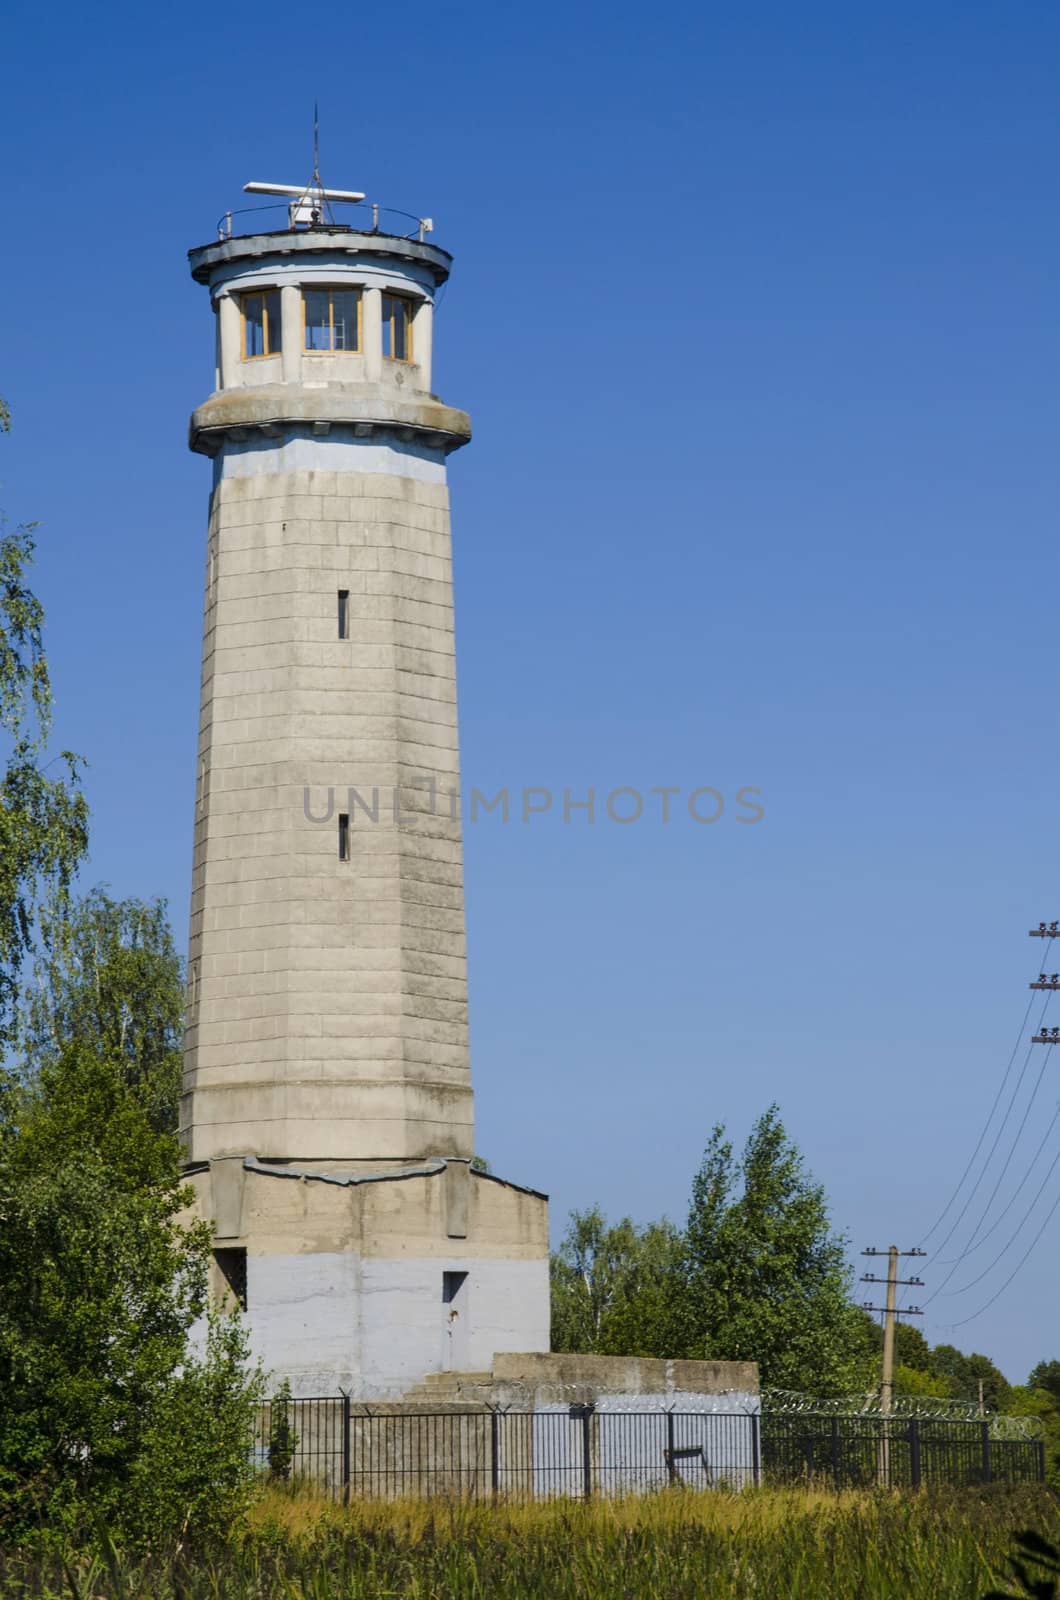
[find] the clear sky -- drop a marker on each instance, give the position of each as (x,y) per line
(754,312)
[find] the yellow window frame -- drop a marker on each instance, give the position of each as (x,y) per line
(410,307)
(251,294)
(330,289)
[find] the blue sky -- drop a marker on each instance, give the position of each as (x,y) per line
(754,311)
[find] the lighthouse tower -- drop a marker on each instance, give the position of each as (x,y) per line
(328,1113)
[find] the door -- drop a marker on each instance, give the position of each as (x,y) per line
(455,1328)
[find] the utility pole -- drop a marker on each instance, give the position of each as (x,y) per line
(891,1313)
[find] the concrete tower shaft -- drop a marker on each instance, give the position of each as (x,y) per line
(327,971)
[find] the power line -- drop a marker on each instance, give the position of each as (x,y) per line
(997,1137)
(1013,1197)
(1019,1228)
(986,1126)
(1022,1262)
(955,1261)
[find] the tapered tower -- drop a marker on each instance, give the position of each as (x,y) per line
(327,1033)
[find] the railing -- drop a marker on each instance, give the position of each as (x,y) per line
(353,1451)
(362,216)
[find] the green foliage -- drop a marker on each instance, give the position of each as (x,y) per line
(283,1441)
(915,1381)
(911,1349)
(964,1374)
(765,1279)
(106,1416)
(767,1545)
(1040,1398)
(613,1287)
(110,977)
(913,1372)
(101,1283)
(1036,1568)
(43,815)
(194,1474)
(756,1275)
(1046,1375)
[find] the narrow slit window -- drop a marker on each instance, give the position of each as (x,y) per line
(397,328)
(332,319)
(344,613)
(232,1265)
(262,334)
(344,836)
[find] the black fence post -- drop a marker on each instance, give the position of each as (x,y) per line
(495,1443)
(1041,1460)
(584,1414)
(835,1451)
(914,1452)
(671,1446)
(987,1473)
(345,1448)
(756,1446)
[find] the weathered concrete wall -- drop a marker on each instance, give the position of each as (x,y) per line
(328,1014)
(345,1270)
(537,1380)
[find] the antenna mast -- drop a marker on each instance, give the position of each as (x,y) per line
(309,206)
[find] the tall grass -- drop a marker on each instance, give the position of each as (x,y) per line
(769,1543)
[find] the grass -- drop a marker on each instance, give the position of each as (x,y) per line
(675,1544)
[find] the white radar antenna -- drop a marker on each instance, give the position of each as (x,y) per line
(307,204)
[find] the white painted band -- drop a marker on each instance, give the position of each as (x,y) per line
(338,451)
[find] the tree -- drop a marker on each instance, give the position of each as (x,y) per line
(1046,1375)
(917,1381)
(965,1373)
(110,977)
(765,1278)
(106,1411)
(913,1374)
(100,1285)
(613,1286)
(911,1349)
(43,818)
(1040,1398)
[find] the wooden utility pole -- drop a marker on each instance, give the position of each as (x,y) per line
(891,1313)
(887,1385)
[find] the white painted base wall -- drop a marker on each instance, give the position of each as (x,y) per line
(375,1327)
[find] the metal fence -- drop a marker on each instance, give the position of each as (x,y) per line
(903,1452)
(351,1451)
(356,1452)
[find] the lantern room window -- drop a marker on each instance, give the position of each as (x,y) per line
(397,328)
(261,324)
(332,319)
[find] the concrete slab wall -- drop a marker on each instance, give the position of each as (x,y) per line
(346,1270)
(328,1003)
